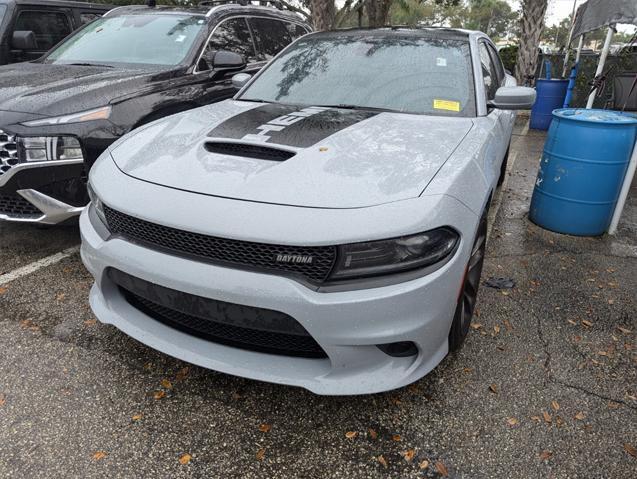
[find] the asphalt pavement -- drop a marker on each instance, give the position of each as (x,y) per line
(545,385)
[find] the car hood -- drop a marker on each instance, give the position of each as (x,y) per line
(50,89)
(339,158)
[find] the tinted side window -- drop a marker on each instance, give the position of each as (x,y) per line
(499,68)
(271,36)
(232,35)
(295,30)
(86,17)
(488,72)
(49,27)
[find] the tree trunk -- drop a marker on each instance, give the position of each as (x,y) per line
(378,12)
(323,14)
(532,24)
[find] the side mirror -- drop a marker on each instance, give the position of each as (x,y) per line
(513,98)
(24,40)
(224,61)
(240,79)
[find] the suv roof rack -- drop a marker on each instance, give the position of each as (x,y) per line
(243,3)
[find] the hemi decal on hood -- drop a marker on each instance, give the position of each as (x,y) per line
(288,125)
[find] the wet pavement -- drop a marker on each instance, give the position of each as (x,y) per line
(545,385)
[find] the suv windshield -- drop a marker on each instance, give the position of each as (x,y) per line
(138,39)
(392,70)
(3,8)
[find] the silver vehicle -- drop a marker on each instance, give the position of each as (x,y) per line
(326,227)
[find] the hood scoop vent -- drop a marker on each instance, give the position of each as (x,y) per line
(249,151)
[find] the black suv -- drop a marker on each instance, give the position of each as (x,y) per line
(134,65)
(30,28)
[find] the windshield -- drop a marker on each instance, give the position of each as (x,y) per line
(3,8)
(393,71)
(138,39)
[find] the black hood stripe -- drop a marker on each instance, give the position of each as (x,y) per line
(288,125)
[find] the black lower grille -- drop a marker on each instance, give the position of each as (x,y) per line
(245,327)
(18,207)
(312,262)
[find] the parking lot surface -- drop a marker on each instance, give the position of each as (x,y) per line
(545,385)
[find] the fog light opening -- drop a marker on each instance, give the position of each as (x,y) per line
(401,349)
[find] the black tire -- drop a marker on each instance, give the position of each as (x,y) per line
(503,168)
(469,294)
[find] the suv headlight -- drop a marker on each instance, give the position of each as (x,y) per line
(97,204)
(396,255)
(49,148)
(102,113)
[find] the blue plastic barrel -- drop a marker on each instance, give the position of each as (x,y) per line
(586,155)
(550,95)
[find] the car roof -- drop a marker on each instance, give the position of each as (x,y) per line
(207,10)
(59,3)
(440,32)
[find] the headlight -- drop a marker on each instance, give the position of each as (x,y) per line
(45,148)
(97,114)
(97,204)
(375,258)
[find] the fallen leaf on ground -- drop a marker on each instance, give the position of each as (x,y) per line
(493,388)
(544,455)
(182,373)
(587,323)
(536,418)
(90,322)
(476,325)
(265,427)
(574,323)
(507,324)
(442,469)
(60,297)
(624,330)
(611,301)
(260,454)
(373,434)
(3,290)
(512,421)
(555,405)
(396,437)
(136,417)
(602,353)
(614,405)
(185,459)
(547,416)
(351,434)
(383,461)
(166,383)
(467,370)
(580,416)
(3,399)
(424,464)
(630,449)
(496,329)
(159,394)
(99,455)
(409,455)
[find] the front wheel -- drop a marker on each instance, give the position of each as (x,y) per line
(469,292)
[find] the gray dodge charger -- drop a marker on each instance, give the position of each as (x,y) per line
(326,227)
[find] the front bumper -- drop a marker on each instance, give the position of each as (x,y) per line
(42,192)
(348,325)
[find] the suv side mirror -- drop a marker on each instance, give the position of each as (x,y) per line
(513,98)
(223,60)
(24,40)
(240,79)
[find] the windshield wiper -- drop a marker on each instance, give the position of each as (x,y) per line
(345,106)
(90,65)
(256,100)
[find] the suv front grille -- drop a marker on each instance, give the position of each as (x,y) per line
(18,207)
(8,152)
(245,327)
(311,262)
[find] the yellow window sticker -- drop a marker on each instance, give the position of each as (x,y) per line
(447,105)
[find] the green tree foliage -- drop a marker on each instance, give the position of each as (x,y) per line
(493,17)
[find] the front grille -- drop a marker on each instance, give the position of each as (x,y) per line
(245,327)
(250,151)
(18,207)
(8,152)
(234,253)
